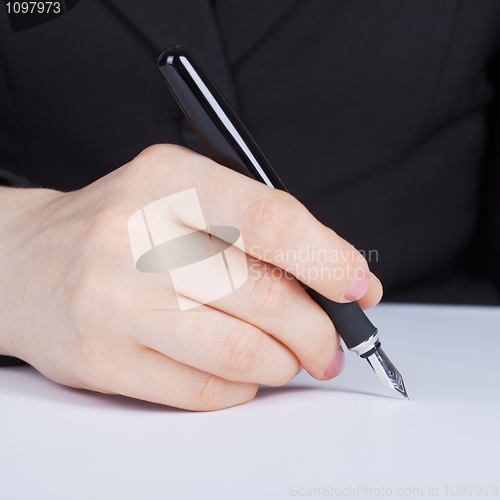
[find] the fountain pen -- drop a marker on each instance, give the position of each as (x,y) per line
(228,143)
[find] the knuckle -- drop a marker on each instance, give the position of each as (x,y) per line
(109,225)
(327,344)
(155,152)
(147,160)
(273,219)
(93,361)
(239,351)
(157,157)
(270,292)
(207,393)
(156,162)
(283,379)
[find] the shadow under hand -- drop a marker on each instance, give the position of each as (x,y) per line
(266,392)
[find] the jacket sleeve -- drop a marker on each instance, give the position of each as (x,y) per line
(13,180)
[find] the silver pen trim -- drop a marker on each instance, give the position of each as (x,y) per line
(366,345)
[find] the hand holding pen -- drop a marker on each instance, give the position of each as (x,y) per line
(229,143)
(77,309)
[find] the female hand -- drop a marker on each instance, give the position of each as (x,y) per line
(74,306)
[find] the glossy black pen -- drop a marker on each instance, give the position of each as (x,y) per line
(228,142)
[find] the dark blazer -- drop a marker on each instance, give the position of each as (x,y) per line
(380,116)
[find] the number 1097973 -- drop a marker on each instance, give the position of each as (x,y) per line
(33,7)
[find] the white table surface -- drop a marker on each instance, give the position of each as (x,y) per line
(338,438)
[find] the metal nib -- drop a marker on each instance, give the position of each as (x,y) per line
(386,371)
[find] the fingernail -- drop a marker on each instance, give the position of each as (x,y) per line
(359,285)
(336,364)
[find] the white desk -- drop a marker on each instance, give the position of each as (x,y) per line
(349,433)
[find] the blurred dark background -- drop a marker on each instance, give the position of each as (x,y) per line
(381,117)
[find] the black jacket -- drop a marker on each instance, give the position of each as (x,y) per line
(380,116)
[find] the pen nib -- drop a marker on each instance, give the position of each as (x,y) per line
(386,371)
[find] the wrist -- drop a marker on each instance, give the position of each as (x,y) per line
(19,211)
